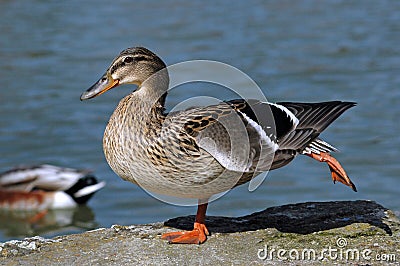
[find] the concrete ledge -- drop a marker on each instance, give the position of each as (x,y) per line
(351,232)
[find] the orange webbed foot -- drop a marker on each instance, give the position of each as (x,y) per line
(197,236)
(337,171)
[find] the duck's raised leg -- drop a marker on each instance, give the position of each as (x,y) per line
(199,233)
(337,171)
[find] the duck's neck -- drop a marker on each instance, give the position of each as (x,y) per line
(153,92)
(148,109)
(146,105)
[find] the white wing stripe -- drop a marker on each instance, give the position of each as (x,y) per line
(263,136)
(294,119)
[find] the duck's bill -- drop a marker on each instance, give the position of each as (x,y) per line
(101,86)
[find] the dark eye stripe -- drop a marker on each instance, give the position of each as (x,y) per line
(140,57)
(128,60)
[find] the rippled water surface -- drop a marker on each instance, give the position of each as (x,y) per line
(51,51)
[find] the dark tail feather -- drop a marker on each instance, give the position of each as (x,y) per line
(317,115)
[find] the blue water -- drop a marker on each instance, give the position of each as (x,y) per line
(51,51)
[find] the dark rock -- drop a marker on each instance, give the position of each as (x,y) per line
(300,218)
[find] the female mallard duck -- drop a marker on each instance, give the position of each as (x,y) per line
(189,153)
(45,187)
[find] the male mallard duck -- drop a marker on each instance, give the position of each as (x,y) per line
(45,187)
(188,153)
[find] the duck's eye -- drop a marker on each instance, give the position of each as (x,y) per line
(128,59)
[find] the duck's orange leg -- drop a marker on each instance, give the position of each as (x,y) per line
(337,171)
(197,236)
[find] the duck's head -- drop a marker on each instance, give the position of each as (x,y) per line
(132,66)
(84,188)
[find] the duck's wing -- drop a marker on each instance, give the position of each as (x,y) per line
(45,177)
(56,178)
(20,178)
(240,134)
(317,116)
(313,118)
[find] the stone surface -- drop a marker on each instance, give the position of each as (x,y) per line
(345,232)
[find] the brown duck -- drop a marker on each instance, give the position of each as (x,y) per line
(203,151)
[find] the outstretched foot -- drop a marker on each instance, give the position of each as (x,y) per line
(337,171)
(197,236)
